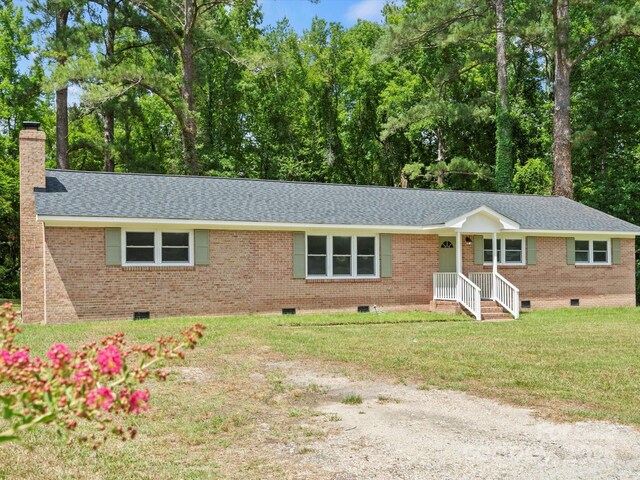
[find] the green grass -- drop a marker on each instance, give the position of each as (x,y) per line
(568,364)
(351,399)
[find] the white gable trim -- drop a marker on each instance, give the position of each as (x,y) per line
(507,223)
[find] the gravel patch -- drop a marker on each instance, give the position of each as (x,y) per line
(453,435)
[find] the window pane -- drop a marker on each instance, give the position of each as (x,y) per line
(341,265)
(582,245)
(366,246)
(513,251)
(140,239)
(600,257)
(317,265)
(513,256)
(582,257)
(175,254)
(316,245)
(342,245)
(513,244)
(599,245)
(140,254)
(488,250)
(175,239)
(366,265)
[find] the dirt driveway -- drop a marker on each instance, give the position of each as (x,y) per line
(400,432)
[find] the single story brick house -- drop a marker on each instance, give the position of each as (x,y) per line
(104,245)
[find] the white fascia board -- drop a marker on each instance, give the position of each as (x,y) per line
(584,233)
(77,221)
(507,223)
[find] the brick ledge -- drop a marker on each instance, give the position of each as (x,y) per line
(156,268)
(343,280)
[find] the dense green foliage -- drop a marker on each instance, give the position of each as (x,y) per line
(411,101)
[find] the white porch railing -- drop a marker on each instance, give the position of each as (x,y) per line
(507,295)
(485,281)
(469,296)
(444,286)
(457,287)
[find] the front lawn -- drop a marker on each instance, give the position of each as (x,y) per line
(224,408)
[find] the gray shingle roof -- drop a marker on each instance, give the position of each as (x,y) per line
(74,193)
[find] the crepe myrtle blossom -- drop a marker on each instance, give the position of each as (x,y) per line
(110,360)
(59,355)
(101,398)
(96,384)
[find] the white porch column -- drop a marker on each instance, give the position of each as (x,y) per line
(458,252)
(494,265)
(458,265)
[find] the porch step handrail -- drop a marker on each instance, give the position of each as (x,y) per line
(468,294)
(507,295)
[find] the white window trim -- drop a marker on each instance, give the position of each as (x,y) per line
(591,262)
(157,249)
(354,256)
(501,252)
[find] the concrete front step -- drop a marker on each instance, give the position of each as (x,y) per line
(492,310)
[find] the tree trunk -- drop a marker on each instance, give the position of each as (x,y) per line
(442,156)
(62,114)
(108,128)
(404,181)
(190,128)
(504,156)
(108,112)
(562,176)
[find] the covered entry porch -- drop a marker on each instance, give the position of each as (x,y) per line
(478,288)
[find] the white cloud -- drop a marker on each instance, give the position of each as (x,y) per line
(366,10)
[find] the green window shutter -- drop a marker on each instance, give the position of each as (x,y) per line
(478,250)
(571,251)
(201,247)
(113,246)
(616,254)
(532,255)
(299,254)
(385,255)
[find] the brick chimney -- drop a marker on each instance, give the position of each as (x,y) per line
(32,154)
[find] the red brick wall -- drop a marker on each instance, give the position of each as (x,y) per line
(551,283)
(32,151)
(250,272)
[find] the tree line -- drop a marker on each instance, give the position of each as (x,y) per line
(508,95)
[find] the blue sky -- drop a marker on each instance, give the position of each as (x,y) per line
(300,12)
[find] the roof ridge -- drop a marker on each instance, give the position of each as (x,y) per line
(297,182)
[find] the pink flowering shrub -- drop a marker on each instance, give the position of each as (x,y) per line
(94,384)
